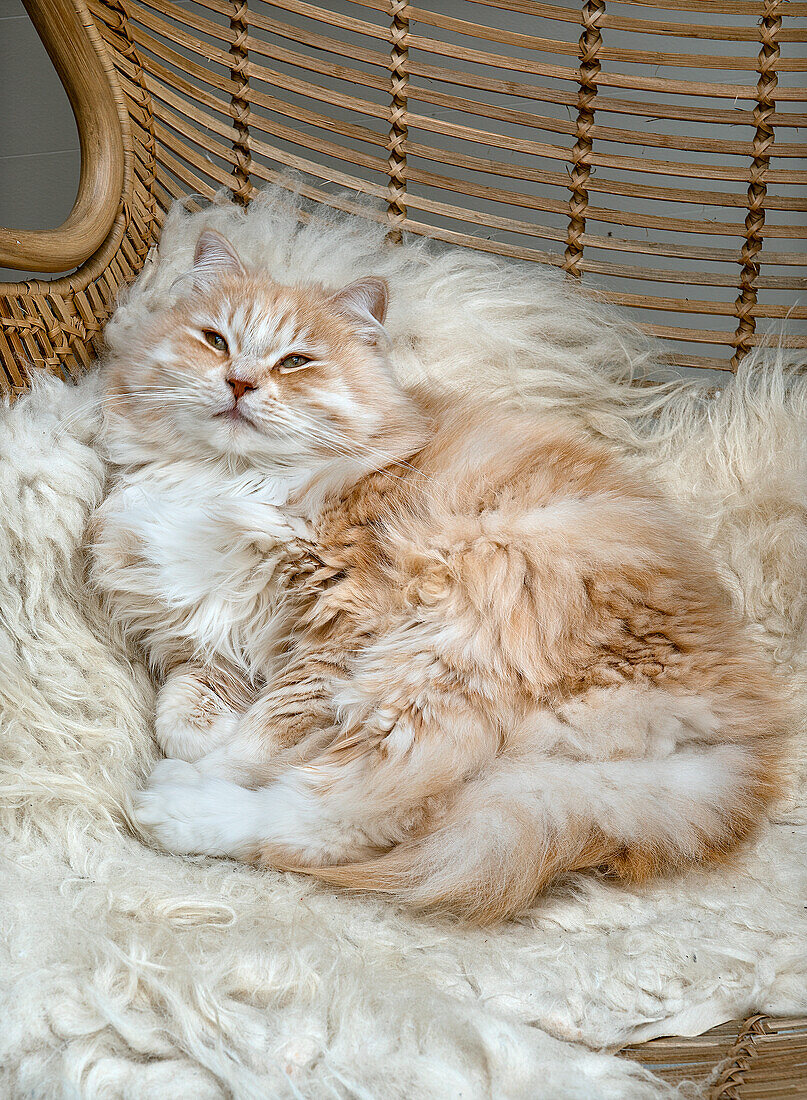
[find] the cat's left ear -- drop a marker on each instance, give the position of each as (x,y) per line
(364,302)
(214,257)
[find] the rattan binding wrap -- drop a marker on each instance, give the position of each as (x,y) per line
(533,130)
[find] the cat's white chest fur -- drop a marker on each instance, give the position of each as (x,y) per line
(196,561)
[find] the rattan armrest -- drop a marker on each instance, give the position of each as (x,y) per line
(79,56)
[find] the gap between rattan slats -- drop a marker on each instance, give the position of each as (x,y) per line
(606,187)
(487,33)
(684,143)
(554,46)
(167,9)
(483,82)
(705,336)
(612,79)
(200,163)
(698,31)
(279,130)
(357,76)
(625,23)
(718,7)
(779,282)
(321,41)
(312,168)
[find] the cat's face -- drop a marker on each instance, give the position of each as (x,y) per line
(244,366)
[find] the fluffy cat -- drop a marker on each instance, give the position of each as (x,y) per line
(428,648)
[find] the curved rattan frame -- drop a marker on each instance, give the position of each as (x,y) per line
(56,324)
(81,61)
(152,84)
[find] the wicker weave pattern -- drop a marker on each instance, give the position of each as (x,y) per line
(532,130)
(759,1059)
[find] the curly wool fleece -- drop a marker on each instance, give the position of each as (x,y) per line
(126,972)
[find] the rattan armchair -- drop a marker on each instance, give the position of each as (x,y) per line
(532,130)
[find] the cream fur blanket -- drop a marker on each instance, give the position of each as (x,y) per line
(128,973)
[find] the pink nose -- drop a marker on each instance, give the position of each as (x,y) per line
(239,386)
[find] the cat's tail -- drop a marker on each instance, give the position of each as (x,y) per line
(512,831)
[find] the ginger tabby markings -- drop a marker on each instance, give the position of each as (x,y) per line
(438,650)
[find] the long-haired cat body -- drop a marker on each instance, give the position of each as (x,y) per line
(410,645)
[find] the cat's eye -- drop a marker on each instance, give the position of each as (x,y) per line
(293,363)
(215,339)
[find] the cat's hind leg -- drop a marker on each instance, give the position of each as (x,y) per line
(198,710)
(366,789)
(192,812)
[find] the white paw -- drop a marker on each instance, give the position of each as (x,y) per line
(192,813)
(191,719)
(263,522)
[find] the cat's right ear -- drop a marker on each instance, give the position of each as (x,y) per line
(214,257)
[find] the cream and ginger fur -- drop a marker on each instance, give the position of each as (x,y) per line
(431,648)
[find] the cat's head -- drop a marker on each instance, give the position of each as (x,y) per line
(269,375)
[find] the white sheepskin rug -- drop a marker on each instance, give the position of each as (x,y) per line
(129,973)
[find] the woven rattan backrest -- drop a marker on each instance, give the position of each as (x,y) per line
(645,148)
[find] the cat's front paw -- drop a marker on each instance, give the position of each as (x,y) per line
(191,718)
(264,524)
(191,813)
